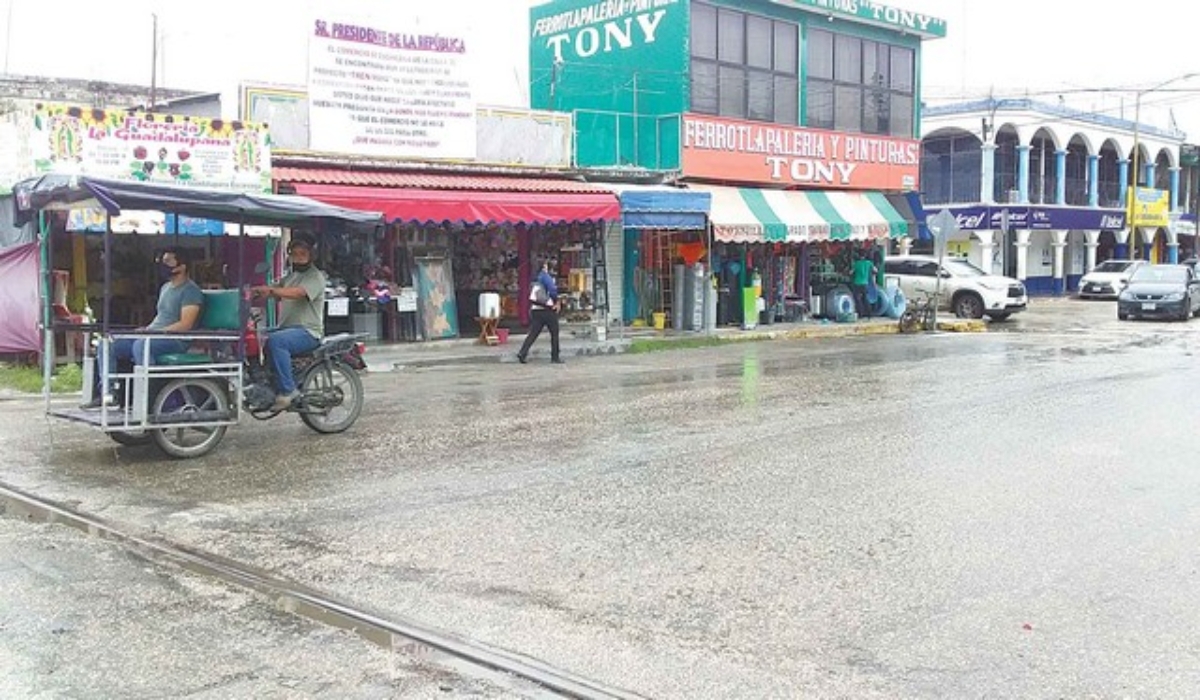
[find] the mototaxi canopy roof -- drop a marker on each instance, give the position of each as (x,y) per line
(66,192)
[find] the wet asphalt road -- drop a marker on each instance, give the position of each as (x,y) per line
(1011,514)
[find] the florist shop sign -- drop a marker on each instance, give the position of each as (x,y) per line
(121,145)
(770,154)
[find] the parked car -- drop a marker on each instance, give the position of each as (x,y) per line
(1160,291)
(966,290)
(1107,279)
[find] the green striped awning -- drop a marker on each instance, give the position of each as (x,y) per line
(747,215)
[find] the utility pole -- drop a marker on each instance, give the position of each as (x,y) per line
(8,32)
(154,65)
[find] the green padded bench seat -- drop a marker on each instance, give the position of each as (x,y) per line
(185,358)
(222,312)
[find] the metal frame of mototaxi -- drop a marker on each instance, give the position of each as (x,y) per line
(143,412)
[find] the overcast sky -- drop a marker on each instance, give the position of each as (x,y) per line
(1093,57)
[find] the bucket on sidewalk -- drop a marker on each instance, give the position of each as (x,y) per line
(660,321)
(501,335)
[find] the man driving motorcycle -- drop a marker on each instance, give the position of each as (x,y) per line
(301,295)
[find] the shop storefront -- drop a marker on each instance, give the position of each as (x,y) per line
(661,256)
(458,245)
(791,247)
(120,144)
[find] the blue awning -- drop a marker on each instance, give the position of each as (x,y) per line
(908,204)
(663,207)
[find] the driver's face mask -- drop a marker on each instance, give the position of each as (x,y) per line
(301,257)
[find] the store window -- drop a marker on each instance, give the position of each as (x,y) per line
(859,85)
(744,66)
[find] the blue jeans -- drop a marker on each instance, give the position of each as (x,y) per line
(132,350)
(282,343)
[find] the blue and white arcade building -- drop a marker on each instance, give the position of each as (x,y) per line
(1037,188)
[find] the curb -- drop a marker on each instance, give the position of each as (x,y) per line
(813,333)
(386,364)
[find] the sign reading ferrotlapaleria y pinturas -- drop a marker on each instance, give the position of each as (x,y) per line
(151,147)
(775,154)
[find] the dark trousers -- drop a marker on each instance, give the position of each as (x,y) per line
(539,319)
(861,307)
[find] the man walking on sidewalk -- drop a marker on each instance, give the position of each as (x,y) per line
(544,300)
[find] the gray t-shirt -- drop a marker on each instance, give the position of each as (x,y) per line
(172,299)
(308,313)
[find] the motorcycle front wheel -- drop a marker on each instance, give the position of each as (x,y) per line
(333,397)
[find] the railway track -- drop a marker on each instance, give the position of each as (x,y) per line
(507,670)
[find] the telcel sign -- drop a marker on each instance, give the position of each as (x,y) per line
(761,153)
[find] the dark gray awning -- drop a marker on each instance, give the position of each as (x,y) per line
(114,196)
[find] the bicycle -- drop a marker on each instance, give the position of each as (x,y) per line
(920,315)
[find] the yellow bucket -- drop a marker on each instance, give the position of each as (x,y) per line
(660,321)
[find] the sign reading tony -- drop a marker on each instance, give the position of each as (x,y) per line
(755,152)
(390,91)
(602,27)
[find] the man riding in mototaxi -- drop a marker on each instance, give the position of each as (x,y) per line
(301,295)
(180,304)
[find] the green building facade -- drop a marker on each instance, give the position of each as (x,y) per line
(630,69)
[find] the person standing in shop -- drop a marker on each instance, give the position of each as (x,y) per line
(544,314)
(863,271)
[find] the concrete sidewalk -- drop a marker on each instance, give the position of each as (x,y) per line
(389,357)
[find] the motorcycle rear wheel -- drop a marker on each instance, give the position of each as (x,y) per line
(333,397)
(178,399)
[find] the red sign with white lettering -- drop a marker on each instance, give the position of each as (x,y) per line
(760,153)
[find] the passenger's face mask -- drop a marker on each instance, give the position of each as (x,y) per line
(167,268)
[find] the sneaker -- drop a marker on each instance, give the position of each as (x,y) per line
(522,359)
(558,361)
(284,401)
(99,400)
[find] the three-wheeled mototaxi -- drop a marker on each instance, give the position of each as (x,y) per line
(184,402)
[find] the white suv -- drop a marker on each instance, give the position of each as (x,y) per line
(966,290)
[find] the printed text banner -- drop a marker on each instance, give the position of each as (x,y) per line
(390,88)
(761,153)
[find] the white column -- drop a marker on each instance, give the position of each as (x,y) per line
(1022,253)
(1093,246)
(1123,251)
(987,248)
(987,175)
(1058,239)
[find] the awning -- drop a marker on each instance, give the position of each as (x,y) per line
(57,192)
(663,207)
(910,208)
(456,198)
(746,215)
